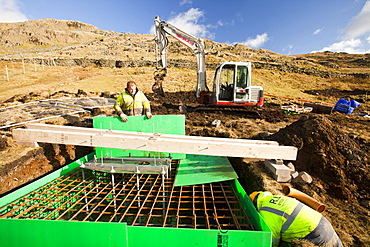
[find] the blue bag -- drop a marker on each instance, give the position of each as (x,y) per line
(345,106)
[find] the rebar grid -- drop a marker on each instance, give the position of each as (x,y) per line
(137,199)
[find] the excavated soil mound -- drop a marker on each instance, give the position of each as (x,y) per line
(339,165)
(330,155)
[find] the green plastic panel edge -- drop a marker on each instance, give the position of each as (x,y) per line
(256,219)
(202,169)
(164,124)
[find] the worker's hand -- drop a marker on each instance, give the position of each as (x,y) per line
(149,115)
(123,117)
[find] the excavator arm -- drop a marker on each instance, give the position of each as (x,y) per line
(196,44)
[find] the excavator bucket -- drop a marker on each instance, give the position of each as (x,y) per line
(157,86)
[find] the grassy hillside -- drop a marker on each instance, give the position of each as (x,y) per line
(37,43)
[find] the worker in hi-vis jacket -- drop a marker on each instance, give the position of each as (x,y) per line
(132,102)
(290,219)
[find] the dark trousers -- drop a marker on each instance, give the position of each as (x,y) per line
(324,235)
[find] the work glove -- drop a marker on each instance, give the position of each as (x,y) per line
(123,117)
(149,115)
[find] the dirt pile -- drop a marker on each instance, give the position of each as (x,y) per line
(329,154)
(339,164)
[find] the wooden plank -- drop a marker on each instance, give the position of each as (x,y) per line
(30,144)
(148,135)
(214,147)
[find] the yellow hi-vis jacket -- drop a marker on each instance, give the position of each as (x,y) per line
(287,218)
(132,105)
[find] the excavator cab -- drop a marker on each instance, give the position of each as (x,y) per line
(232,85)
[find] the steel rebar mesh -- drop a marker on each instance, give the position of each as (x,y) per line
(137,199)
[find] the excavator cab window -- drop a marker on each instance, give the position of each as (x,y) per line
(241,80)
(226,85)
(241,92)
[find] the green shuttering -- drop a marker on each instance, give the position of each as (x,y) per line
(165,124)
(55,233)
(193,169)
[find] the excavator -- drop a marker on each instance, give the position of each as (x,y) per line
(231,82)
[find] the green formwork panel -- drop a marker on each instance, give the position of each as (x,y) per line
(201,169)
(49,233)
(160,237)
(164,124)
(55,233)
(256,219)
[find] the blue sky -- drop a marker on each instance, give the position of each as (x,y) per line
(286,27)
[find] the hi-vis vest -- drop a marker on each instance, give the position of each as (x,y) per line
(287,218)
(132,106)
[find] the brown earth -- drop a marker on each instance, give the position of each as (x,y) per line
(333,148)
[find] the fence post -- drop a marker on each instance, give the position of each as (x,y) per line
(7,73)
(24,70)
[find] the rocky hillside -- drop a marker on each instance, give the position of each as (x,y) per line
(76,43)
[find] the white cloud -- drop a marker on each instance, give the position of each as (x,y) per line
(183,2)
(354,41)
(360,24)
(352,46)
(288,49)
(189,22)
(9,11)
(239,17)
(256,42)
(317,31)
(221,23)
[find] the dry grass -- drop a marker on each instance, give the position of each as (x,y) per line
(134,47)
(93,79)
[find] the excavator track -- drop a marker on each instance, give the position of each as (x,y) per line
(249,111)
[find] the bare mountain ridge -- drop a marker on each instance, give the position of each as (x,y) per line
(46,32)
(73,43)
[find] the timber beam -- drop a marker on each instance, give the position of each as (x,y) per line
(153,142)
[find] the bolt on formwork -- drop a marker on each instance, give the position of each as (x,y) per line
(136,199)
